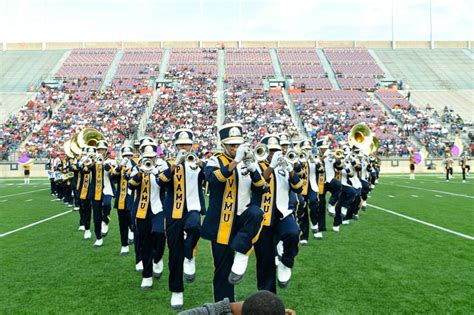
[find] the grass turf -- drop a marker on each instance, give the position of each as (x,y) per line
(379,264)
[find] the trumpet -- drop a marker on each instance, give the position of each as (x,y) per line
(146,165)
(303,157)
(291,156)
(191,157)
(99,158)
(258,154)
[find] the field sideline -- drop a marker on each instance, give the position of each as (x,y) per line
(387,262)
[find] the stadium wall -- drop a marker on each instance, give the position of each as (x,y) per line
(240,44)
(10,169)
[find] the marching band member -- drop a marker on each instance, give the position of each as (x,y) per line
(96,194)
(122,203)
(412,166)
(309,172)
(108,188)
(465,166)
(448,166)
(67,183)
(75,182)
(85,188)
(183,180)
(348,193)
(278,222)
(77,185)
(231,223)
(296,199)
(148,214)
(332,184)
(365,170)
(353,212)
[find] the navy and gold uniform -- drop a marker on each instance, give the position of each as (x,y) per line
(279,222)
(121,175)
(448,166)
(465,167)
(149,219)
(183,207)
(309,172)
(231,223)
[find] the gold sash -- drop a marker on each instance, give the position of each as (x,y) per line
(228,207)
(179,192)
(321,183)
(267,200)
(85,186)
(305,179)
(78,184)
(123,190)
(144,197)
(98,181)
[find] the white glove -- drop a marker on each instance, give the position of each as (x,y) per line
(124,162)
(252,166)
(180,157)
(241,152)
(276,159)
(155,171)
(289,167)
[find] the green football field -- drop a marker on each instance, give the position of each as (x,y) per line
(411,252)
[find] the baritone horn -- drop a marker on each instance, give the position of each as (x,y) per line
(361,137)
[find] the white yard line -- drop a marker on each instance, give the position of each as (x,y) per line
(36,223)
(28,200)
(26,192)
(423,222)
(432,190)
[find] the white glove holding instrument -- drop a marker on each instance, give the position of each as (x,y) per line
(241,152)
(180,157)
(276,159)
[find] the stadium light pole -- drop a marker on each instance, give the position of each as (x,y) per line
(393,25)
(431,25)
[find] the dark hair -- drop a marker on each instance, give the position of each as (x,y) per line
(263,303)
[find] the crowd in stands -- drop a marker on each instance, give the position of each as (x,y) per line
(114,113)
(190,103)
(17,127)
(333,113)
(260,112)
(416,121)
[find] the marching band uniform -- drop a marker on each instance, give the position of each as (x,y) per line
(97,171)
(68,196)
(75,182)
(465,166)
(231,224)
(353,211)
(448,165)
(149,219)
(184,203)
(412,166)
(348,193)
(120,173)
(309,172)
(366,168)
(85,189)
(278,222)
(108,190)
(332,184)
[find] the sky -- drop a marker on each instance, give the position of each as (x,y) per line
(155,20)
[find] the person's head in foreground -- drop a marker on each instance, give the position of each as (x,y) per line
(263,303)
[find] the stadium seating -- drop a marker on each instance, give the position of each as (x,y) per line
(87,63)
(114,113)
(189,104)
(17,128)
(353,63)
(333,113)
